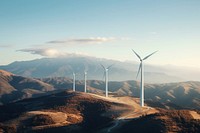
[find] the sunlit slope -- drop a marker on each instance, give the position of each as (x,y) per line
(13,87)
(68,110)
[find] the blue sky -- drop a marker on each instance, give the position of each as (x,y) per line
(31,29)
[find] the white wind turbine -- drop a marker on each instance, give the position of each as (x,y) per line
(74,81)
(85,78)
(106,76)
(141,68)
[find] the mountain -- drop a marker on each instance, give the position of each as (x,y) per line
(42,105)
(170,95)
(64,66)
(183,94)
(178,95)
(13,87)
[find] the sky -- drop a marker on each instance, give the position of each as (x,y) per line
(31,29)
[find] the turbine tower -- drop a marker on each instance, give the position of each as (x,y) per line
(106,76)
(74,81)
(141,69)
(85,77)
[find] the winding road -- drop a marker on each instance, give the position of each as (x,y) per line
(124,118)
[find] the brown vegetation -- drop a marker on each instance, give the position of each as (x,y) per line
(7,129)
(42,119)
(165,121)
(80,110)
(83,113)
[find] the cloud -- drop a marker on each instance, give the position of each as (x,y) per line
(43,52)
(5,46)
(53,53)
(92,40)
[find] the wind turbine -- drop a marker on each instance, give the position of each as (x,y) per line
(74,81)
(141,68)
(106,76)
(85,77)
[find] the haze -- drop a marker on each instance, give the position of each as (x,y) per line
(105,29)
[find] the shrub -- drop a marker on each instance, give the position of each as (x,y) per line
(7,129)
(42,119)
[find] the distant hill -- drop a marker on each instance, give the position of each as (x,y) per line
(169,95)
(63,67)
(13,87)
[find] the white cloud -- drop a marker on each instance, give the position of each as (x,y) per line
(91,40)
(5,46)
(52,52)
(43,52)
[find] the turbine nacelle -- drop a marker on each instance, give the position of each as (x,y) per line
(145,56)
(141,60)
(106,68)
(105,75)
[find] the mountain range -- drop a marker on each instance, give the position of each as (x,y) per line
(168,95)
(180,94)
(50,105)
(121,71)
(14,87)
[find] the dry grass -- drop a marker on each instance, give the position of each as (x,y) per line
(42,119)
(195,115)
(166,121)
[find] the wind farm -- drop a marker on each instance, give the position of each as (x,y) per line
(72,104)
(54,54)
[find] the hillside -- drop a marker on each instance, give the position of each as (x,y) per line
(63,67)
(61,112)
(13,87)
(170,96)
(181,95)
(163,122)
(78,112)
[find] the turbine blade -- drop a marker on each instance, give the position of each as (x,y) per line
(104,74)
(149,55)
(139,70)
(103,67)
(137,54)
(110,66)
